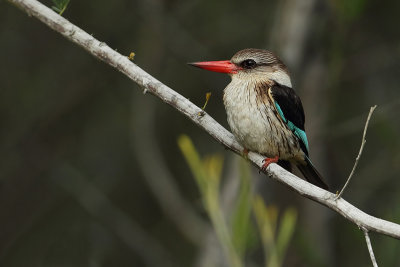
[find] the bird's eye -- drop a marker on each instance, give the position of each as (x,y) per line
(248,64)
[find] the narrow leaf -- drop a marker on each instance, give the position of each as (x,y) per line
(193,159)
(286,230)
(60,6)
(241,230)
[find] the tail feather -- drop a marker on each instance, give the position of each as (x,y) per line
(312,175)
(285,164)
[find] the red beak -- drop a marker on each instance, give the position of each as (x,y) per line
(224,66)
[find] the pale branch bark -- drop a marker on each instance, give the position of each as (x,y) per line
(363,141)
(369,245)
(202,119)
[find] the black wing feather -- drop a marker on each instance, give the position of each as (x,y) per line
(292,109)
(290,104)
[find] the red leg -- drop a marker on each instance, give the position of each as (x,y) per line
(268,161)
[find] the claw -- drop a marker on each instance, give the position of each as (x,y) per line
(268,161)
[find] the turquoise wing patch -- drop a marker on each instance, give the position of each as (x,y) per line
(280,111)
(297,131)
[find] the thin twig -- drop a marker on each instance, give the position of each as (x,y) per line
(363,141)
(369,245)
(206,122)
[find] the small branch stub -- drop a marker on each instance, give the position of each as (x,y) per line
(131,56)
(201,113)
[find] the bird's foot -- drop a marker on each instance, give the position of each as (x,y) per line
(268,161)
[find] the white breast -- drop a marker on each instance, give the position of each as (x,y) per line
(254,123)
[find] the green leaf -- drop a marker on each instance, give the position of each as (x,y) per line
(241,230)
(193,160)
(207,173)
(266,218)
(286,230)
(60,6)
(275,245)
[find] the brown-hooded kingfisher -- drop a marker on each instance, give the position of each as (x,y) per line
(264,112)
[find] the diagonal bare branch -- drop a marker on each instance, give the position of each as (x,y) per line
(202,119)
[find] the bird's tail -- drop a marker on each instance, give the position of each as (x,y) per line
(312,175)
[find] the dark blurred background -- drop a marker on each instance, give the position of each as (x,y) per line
(90,170)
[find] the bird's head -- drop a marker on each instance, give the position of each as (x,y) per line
(251,64)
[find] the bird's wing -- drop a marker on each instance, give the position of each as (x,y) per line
(289,107)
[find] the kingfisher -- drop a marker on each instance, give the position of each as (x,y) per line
(264,112)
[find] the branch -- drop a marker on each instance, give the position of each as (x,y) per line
(363,141)
(369,245)
(202,119)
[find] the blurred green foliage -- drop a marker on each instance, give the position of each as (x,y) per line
(60,6)
(351,10)
(236,241)
(242,231)
(275,242)
(208,176)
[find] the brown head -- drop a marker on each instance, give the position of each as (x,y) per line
(251,63)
